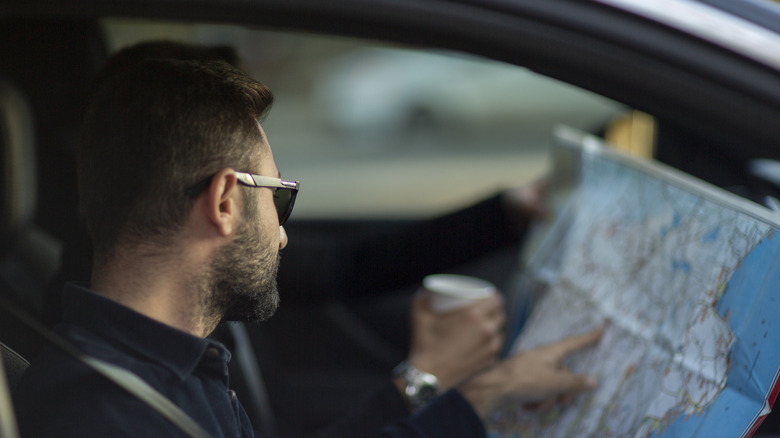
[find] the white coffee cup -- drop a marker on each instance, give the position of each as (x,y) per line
(450,291)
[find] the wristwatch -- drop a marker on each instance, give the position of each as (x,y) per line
(421,387)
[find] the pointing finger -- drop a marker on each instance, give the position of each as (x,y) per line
(580,383)
(570,345)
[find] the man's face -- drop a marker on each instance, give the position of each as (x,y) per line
(243,275)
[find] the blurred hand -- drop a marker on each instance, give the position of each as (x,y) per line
(456,345)
(529,201)
(533,377)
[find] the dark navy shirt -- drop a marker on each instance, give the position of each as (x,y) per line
(59,396)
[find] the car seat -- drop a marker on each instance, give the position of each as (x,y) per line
(14,365)
(28,256)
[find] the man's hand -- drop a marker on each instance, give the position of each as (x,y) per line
(534,376)
(458,344)
(528,202)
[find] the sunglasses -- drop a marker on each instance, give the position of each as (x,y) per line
(284,195)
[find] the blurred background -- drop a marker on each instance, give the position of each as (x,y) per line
(431,131)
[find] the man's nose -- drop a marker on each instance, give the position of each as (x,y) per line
(282,238)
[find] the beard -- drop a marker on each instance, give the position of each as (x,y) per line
(243,279)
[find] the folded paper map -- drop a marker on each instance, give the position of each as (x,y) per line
(686,278)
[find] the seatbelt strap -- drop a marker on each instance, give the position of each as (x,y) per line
(139,388)
(8,427)
(125,379)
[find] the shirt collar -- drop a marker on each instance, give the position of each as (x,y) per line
(136,333)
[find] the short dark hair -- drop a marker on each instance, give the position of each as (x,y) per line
(152,131)
(163,49)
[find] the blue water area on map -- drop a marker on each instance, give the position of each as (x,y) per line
(681,265)
(711,236)
(750,304)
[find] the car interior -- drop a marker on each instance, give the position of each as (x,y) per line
(376,180)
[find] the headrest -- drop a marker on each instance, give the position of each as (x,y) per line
(17,160)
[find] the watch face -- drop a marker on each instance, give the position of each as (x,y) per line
(427,392)
(421,387)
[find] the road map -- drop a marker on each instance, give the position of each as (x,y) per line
(686,279)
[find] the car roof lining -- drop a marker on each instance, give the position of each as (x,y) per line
(621,56)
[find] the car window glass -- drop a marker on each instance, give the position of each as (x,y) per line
(379,131)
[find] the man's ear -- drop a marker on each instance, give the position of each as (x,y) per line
(222,201)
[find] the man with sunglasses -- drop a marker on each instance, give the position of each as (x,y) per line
(185,207)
